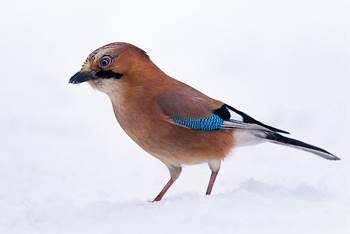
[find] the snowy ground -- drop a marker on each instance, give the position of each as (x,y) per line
(67,167)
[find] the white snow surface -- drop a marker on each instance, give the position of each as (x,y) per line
(67,167)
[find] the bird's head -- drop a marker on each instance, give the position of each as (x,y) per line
(108,66)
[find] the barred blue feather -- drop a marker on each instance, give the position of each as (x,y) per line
(214,122)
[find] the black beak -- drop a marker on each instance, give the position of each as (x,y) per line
(82,76)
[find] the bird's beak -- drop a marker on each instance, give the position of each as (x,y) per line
(82,76)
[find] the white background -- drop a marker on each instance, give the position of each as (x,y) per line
(67,167)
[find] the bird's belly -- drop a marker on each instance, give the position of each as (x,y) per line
(175,145)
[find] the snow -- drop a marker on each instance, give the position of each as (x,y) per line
(67,167)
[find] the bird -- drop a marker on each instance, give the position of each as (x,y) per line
(171,120)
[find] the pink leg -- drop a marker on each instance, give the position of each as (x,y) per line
(174,174)
(211,181)
(164,190)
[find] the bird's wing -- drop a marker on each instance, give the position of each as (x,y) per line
(192,109)
(237,119)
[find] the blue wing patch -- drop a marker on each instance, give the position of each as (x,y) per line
(211,123)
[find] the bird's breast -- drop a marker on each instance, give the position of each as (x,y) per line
(144,122)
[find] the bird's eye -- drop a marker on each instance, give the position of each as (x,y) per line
(105,61)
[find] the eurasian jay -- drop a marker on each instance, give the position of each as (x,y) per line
(170,120)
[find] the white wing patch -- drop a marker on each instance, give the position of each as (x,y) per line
(242,125)
(235,116)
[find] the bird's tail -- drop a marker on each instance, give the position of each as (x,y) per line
(282,140)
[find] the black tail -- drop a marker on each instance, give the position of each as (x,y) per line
(279,139)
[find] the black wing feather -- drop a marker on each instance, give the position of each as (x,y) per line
(223,113)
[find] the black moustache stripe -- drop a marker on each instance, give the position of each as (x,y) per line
(109,74)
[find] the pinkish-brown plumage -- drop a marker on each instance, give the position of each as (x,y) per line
(146,103)
(151,128)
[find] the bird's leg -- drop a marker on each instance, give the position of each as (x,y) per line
(211,182)
(174,174)
(214,167)
(164,190)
